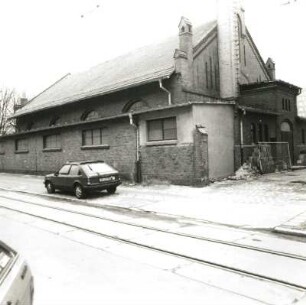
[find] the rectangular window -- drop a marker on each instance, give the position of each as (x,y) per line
(206,75)
(92,137)
(211,72)
(266,128)
(244,56)
(162,129)
(21,145)
(260,137)
(52,141)
(303,136)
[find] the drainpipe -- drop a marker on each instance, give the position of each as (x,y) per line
(138,174)
(164,89)
(241,134)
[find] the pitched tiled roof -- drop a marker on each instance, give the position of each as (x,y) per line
(141,66)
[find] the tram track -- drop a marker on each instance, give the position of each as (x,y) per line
(188,257)
(152,228)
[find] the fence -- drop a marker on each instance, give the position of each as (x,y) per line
(267,156)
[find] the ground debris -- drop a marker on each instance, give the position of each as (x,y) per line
(244,172)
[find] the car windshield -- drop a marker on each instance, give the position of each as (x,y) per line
(102,168)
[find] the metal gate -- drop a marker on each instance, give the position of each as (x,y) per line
(267,157)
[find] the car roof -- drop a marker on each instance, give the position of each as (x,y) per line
(84,162)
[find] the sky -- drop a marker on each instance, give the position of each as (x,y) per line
(42,40)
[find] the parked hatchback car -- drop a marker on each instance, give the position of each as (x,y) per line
(83,177)
(16,280)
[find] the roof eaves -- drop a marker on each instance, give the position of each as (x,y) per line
(102,91)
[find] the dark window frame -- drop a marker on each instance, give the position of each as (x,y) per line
(162,120)
(58,140)
(21,148)
(91,131)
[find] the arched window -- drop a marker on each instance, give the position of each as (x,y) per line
(30,125)
(54,121)
(89,115)
(134,105)
(285,127)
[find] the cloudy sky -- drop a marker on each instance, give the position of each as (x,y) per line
(42,40)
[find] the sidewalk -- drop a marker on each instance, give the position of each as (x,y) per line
(270,202)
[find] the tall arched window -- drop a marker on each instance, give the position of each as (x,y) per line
(89,115)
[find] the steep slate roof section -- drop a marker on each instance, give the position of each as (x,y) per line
(138,67)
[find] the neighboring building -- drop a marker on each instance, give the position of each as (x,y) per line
(178,111)
(301,104)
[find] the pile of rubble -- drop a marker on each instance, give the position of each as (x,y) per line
(245,172)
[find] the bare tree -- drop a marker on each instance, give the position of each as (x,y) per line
(8,101)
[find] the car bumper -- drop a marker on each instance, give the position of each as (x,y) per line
(100,187)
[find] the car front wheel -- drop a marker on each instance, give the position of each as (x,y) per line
(79,191)
(112,190)
(50,187)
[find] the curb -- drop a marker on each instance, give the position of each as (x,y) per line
(290,231)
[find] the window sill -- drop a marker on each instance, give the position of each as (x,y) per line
(52,149)
(94,147)
(160,143)
(2,153)
(21,151)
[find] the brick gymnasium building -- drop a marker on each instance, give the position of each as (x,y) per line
(177,111)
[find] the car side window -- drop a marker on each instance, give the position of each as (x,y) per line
(64,170)
(74,171)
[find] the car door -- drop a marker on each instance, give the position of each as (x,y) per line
(74,175)
(62,179)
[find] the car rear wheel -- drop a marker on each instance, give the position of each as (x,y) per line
(112,190)
(50,187)
(79,191)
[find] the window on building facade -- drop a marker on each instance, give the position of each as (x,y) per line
(211,73)
(89,115)
(260,137)
(162,129)
(30,126)
(52,141)
(21,145)
(253,133)
(303,136)
(206,75)
(92,137)
(286,104)
(266,131)
(244,56)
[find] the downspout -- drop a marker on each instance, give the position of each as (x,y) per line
(241,135)
(166,90)
(138,174)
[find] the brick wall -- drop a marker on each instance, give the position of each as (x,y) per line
(120,137)
(177,164)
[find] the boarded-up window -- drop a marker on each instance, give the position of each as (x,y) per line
(162,129)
